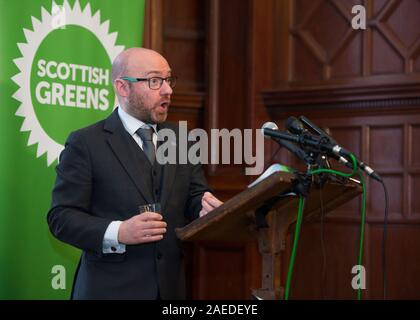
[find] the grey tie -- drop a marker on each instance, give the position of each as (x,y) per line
(146,135)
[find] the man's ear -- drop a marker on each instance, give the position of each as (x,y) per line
(121,87)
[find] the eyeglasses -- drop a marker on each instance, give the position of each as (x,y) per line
(154,82)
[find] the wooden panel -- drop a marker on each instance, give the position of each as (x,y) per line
(326,34)
(414,149)
(386,149)
(311,71)
(322,42)
(185,14)
(303,10)
(416,59)
(395,186)
(222,271)
(378,5)
(407,12)
(340,66)
(385,60)
(232,64)
(332,250)
(193,117)
(414,199)
(228,51)
(319,27)
(191,74)
(324,261)
(401,257)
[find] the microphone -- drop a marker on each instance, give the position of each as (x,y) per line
(295,126)
(318,130)
(370,172)
(271,130)
(268,125)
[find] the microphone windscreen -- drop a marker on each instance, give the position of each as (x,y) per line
(294,125)
(268,125)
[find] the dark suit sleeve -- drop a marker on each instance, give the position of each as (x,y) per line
(69,218)
(198,186)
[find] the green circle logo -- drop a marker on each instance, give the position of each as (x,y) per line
(67,91)
(65,75)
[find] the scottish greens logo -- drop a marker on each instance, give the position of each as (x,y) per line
(65,75)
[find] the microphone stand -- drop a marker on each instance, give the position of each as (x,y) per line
(313,152)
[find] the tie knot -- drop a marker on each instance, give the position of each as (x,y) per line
(145,133)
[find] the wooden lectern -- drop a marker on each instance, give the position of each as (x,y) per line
(265,212)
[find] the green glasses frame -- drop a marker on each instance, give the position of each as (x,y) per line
(154,83)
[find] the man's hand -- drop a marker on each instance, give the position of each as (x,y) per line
(208,203)
(142,228)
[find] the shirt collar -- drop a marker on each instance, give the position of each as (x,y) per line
(132,124)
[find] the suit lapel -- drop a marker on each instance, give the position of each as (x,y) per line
(120,145)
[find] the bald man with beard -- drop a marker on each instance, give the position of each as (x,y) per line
(108,170)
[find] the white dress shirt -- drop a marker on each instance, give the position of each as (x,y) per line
(110,243)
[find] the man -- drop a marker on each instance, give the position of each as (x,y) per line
(107,171)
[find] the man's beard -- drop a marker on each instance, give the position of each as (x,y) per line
(138,109)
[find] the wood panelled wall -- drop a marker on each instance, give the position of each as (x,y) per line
(243,62)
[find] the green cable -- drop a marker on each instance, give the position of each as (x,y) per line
(362,228)
(299,222)
(295,241)
(353,159)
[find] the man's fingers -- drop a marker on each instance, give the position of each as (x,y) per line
(145,216)
(147,238)
(206,206)
(145,227)
(153,232)
(153,224)
(203,213)
(151,235)
(211,200)
(214,202)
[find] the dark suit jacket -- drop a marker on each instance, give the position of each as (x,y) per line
(101,177)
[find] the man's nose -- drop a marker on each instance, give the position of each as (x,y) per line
(166,89)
